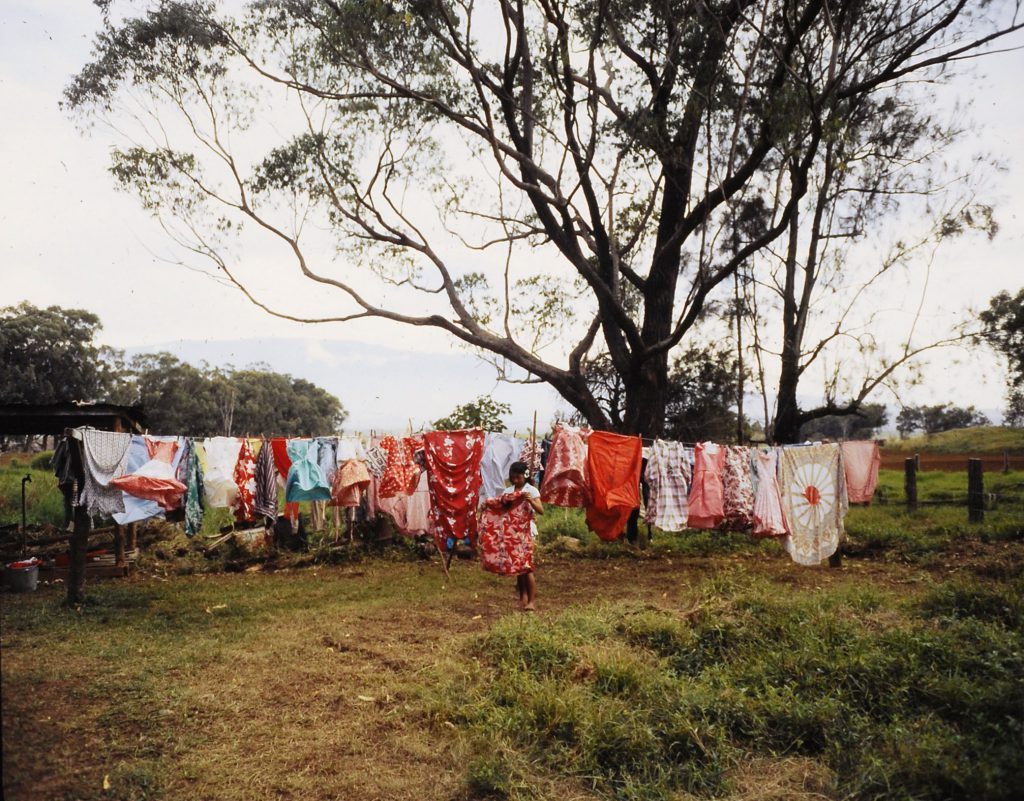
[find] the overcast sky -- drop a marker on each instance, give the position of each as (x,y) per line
(68,238)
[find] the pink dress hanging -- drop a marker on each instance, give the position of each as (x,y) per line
(769,520)
(707,502)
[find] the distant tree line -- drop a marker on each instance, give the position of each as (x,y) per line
(937,418)
(50,355)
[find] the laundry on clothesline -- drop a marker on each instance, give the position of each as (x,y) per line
(436,483)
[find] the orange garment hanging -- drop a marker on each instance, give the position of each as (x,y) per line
(614,462)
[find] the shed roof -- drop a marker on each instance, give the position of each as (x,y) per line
(53,418)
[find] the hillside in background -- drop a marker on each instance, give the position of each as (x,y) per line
(979,440)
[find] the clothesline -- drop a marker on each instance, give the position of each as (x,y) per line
(797,493)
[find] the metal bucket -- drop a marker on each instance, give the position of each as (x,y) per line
(22,579)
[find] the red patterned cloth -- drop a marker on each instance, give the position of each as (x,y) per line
(532,456)
(245,480)
(402,474)
(453,475)
(613,462)
(566,480)
(737,489)
(706,502)
(506,547)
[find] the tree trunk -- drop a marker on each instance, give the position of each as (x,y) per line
(786,428)
(646,398)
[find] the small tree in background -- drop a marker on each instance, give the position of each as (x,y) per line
(1003,324)
(484,412)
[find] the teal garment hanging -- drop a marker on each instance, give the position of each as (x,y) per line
(306,481)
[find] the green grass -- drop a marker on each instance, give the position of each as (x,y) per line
(979,440)
(43,501)
(641,703)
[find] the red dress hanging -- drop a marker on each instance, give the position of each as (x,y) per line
(453,475)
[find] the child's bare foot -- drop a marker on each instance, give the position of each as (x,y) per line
(529,608)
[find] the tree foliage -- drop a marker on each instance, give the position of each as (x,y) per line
(703,388)
(543,180)
(863,424)
(50,355)
(484,412)
(940,417)
(1003,323)
(182,399)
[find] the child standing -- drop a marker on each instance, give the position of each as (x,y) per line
(526,583)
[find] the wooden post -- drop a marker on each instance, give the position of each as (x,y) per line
(119,557)
(975,492)
(917,461)
(1006,461)
(910,483)
(78,546)
(133,536)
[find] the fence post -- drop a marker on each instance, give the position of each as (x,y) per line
(78,546)
(910,483)
(1006,461)
(975,492)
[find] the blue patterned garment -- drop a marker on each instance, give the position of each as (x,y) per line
(306,480)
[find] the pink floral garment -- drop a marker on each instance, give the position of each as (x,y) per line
(566,479)
(769,520)
(506,547)
(706,502)
(244,504)
(453,475)
(737,489)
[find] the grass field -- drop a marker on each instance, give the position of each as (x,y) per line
(976,441)
(706,666)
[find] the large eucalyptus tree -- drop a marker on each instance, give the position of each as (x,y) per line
(545,180)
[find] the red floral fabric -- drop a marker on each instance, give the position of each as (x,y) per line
(566,480)
(506,547)
(402,474)
(245,480)
(613,463)
(453,475)
(706,502)
(737,489)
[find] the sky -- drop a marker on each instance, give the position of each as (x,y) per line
(70,239)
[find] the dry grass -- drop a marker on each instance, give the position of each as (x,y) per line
(318,683)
